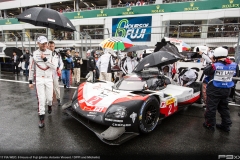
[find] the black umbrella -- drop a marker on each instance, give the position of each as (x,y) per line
(135,48)
(156,59)
(167,46)
(47,18)
(9,51)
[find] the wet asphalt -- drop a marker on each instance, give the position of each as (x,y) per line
(181,136)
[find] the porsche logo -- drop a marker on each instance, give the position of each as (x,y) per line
(128,9)
(78,13)
(158,6)
(101,11)
(231,1)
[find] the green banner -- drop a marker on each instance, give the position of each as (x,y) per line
(148,9)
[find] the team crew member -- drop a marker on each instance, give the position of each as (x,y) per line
(15,61)
(42,66)
(218,89)
(57,72)
(91,66)
(26,58)
(77,67)
(68,65)
(104,64)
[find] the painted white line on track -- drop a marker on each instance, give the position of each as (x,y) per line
(7,80)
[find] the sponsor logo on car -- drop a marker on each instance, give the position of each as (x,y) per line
(113,120)
(133,116)
(121,125)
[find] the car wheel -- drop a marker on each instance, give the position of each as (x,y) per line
(149,115)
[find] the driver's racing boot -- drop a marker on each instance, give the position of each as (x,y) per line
(41,122)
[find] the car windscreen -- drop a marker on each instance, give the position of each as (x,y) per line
(130,85)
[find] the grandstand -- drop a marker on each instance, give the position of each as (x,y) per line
(206,22)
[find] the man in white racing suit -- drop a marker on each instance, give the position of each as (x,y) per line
(129,63)
(42,66)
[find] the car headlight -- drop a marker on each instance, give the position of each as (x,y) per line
(116,111)
(75,95)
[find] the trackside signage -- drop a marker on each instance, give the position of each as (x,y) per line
(137,29)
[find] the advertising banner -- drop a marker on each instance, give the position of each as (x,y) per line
(136,10)
(137,29)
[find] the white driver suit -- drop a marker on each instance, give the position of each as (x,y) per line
(129,64)
(42,71)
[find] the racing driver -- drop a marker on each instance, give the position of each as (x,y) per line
(42,67)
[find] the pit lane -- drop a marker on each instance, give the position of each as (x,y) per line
(181,136)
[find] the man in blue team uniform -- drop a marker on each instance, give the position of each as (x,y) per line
(220,75)
(67,66)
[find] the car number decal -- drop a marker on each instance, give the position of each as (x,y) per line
(167,108)
(94,100)
(98,109)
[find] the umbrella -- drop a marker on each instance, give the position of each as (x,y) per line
(47,18)
(135,48)
(185,47)
(167,46)
(9,51)
(116,43)
(156,59)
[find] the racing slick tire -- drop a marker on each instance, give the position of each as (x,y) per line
(149,115)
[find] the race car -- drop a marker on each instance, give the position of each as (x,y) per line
(135,104)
